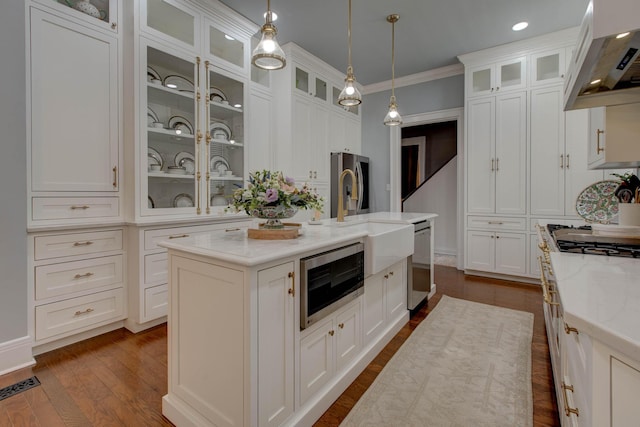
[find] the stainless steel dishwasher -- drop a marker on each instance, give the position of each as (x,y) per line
(420,265)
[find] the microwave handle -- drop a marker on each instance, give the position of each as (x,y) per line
(360,186)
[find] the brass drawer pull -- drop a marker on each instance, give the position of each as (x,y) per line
(80,276)
(568,329)
(232,229)
(87,311)
(178,236)
(87,243)
(495,222)
(292,289)
(567,410)
(115,177)
(83,207)
(598,133)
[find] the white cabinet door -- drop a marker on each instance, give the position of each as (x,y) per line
(613,136)
(259,123)
(511,249)
(548,67)
(395,290)
(374,306)
(596,135)
(480,155)
(302,137)
(275,344)
(173,21)
(480,250)
(318,153)
(577,175)
(353,135)
(316,359)
(510,153)
(547,152)
(511,74)
(348,335)
(74,91)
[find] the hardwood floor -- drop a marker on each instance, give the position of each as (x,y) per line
(118,379)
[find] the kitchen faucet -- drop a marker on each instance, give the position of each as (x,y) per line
(354,195)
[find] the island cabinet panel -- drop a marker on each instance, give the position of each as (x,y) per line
(208,314)
(276,304)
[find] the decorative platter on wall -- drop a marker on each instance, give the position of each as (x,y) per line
(598,202)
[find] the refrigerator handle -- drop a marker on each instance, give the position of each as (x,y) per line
(360,185)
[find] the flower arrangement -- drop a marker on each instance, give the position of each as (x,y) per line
(272,195)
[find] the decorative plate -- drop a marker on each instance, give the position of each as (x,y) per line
(216,95)
(182,84)
(150,203)
(219,163)
(154,158)
(220,131)
(153,74)
(598,202)
(151,116)
(183,200)
(180,123)
(187,161)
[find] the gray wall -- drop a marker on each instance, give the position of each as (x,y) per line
(13,186)
(426,97)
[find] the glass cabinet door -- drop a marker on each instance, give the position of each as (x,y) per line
(224,162)
(226,46)
(168,138)
(102,12)
(172,20)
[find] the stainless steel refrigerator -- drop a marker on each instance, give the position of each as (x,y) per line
(360,167)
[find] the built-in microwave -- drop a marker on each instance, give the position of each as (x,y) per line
(330,280)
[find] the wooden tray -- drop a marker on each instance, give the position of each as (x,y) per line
(291,230)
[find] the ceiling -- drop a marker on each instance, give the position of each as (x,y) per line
(430,33)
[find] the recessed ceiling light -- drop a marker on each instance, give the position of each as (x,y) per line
(228,37)
(237,105)
(596,81)
(622,35)
(274,16)
(520,26)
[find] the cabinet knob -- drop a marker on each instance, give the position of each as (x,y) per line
(341,325)
(498,88)
(331,332)
(386,276)
(113,25)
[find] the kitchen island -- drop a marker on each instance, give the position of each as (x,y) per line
(237,353)
(594,329)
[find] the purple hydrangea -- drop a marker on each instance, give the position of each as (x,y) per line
(272,195)
(289,180)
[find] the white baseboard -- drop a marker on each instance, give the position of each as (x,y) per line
(16,354)
(445,251)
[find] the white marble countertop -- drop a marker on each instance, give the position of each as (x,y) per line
(236,247)
(601,296)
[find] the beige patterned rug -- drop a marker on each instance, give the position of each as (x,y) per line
(466,364)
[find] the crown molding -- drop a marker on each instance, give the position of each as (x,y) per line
(413,79)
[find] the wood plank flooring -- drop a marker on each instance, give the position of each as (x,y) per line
(119,378)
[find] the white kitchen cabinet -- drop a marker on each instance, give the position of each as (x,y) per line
(328,347)
(311,131)
(548,67)
(558,154)
(74,139)
(310,84)
(276,308)
(499,252)
(345,133)
(496,154)
(107,17)
(384,299)
(613,133)
(496,77)
(172,21)
(259,123)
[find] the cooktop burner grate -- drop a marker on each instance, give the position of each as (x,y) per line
(585,243)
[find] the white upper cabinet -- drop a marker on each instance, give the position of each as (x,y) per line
(174,21)
(497,77)
(227,48)
(613,134)
(547,67)
(104,14)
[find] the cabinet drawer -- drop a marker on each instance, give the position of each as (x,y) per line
(496,223)
(156,302)
(68,277)
(61,245)
(155,268)
(77,313)
(45,208)
(152,237)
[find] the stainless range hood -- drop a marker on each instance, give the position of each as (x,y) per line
(605,67)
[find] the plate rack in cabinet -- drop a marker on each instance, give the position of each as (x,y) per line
(77,285)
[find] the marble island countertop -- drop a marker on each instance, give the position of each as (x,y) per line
(601,296)
(234,246)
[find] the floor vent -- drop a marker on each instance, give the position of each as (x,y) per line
(19,387)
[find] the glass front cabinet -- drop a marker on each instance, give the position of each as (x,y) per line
(192,145)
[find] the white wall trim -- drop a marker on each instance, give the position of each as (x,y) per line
(395,166)
(16,354)
(413,79)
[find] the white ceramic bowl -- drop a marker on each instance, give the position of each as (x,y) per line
(155,168)
(177,170)
(228,173)
(158,125)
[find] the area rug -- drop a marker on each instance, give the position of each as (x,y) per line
(466,364)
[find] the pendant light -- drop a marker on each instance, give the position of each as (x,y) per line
(268,55)
(350,95)
(393,117)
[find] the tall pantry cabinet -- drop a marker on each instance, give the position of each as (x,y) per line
(526,158)
(74,171)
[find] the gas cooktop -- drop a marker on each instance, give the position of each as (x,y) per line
(581,240)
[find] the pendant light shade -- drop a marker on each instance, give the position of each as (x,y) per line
(268,55)
(350,95)
(393,118)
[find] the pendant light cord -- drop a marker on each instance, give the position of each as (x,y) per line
(349,68)
(393,57)
(269,11)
